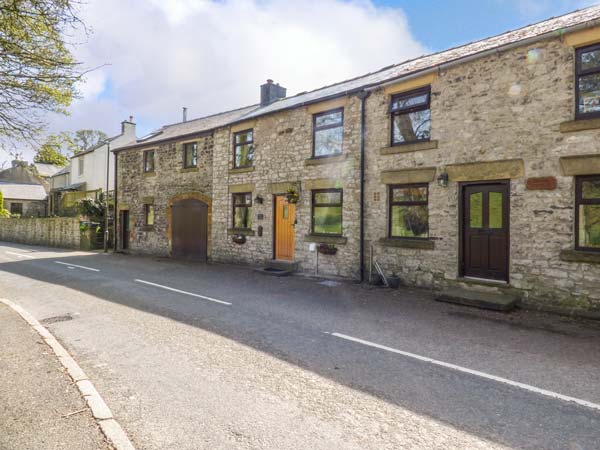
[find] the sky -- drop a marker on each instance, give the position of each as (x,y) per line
(153,57)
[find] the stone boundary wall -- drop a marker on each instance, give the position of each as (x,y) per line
(51,231)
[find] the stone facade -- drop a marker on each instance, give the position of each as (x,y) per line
(54,232)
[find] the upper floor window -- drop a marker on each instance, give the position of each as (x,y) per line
(243,153)
(80,165)
(242,210)
(411,116)
(328,133)
(408,213)
(327,211)
(190,155)
(587,89)
(149,161)
(587,213)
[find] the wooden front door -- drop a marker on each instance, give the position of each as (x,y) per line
(189,225)
(485,230)
(124,219)
(285,218)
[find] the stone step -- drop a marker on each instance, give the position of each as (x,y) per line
(279,264)
(483,300)
(274,272)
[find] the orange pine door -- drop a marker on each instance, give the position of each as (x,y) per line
(285,216)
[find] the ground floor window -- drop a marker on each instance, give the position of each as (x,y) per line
(327,211)
(408,211)
(148,214)
(587,213)
(16,208)
(242,210)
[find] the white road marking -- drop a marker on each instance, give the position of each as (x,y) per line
(210,299)
(477,373)
(21,255)
(75,265)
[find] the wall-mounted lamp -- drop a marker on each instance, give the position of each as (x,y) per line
(258,199)
(442,179)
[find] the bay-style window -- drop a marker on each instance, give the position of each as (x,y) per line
(411,116)
(328,133)
(242,210)
(149,161)
(243,149)
(190,155)
(587,213)
(587,89)
(327,212)
(408,211)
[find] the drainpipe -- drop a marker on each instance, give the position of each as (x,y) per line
(115,234)
(106,198)
(363,95)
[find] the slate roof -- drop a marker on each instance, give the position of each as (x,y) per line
(548,28)
(46,170)
(64,170)
(21,191)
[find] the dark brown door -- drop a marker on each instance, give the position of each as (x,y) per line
(124,219)
(190,229)
(485,228)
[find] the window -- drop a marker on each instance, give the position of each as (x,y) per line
(327,211)
(190,155)
(328,133)
(16,208)
(587,213)
(243,144)
(242,210)
(80,165)
(149,161)
(149,215)
(408,212)
(411,116)
(587,89)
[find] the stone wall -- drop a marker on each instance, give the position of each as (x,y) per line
(49,231)
(502,107)
(169,179)
(31,208)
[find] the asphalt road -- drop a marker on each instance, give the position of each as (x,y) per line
(192,356)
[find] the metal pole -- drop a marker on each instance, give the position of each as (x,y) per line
(106,198)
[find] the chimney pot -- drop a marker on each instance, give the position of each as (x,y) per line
(184,114)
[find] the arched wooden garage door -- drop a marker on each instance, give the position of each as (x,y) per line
(190,229)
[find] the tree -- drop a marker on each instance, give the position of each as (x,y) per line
(85,139)
(50,154)
(37,71)
(4,213)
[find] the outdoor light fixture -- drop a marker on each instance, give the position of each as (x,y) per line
(442,179)
(258,199)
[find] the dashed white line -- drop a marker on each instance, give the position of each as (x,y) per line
(21,255)
(204,297)
(75,265)
(477,373)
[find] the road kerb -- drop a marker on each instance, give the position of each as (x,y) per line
(100,410)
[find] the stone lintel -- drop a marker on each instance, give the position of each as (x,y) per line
(579,125)
(570,255)
(148,200)
(149,174)
(241,170)
(124,207)
(239,188)
(489,170)
(410,84)
(325,160)
(409,148)
(323,183)
(320,239)
(282,187)
(408,176)
(242,126)
(420,244)
(189,169)
(244,231)
(580,165)
(583,37)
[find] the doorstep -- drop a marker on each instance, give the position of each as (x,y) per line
(278,267)
(477,299)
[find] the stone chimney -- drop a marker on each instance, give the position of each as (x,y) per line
(270,92)
(128,127)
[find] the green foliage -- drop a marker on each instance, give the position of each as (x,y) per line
(83,140)
(37,70)
(4,213)
(94,209)
(49,153)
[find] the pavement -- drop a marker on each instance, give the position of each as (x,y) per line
(192,356)
(41,407)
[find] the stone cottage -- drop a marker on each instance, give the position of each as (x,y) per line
(475,167)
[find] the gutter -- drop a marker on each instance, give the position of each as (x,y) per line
(363,95)
(174,138)
(116,209)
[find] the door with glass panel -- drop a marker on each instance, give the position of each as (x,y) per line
(285,218)
(485,230)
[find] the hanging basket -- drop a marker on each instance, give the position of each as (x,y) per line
(327,249)
(239,239)
(292,195)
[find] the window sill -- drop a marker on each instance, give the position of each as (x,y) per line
(241,170)
(147,228)
(579,125)
(149,174)
(409,148)
(325,160)
(583,256)
(321,239)
(189,169)
(419,244)
(244,231)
